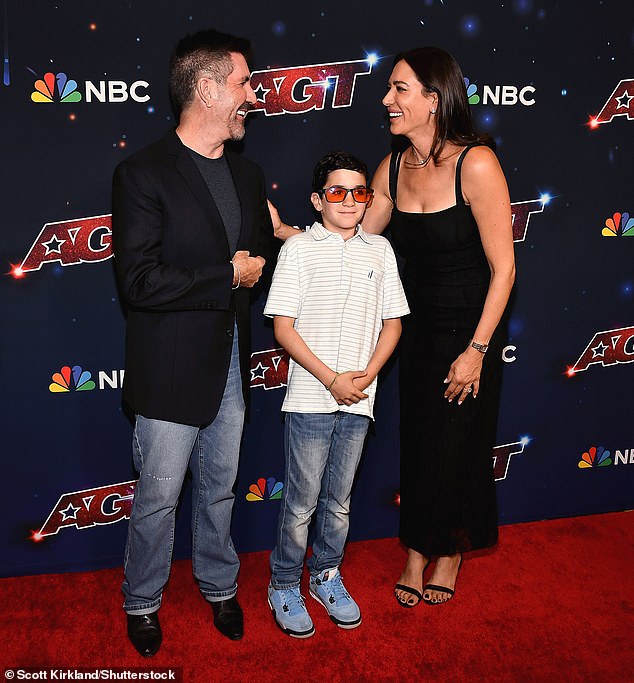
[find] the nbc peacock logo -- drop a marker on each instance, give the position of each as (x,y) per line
(55,87)
(506,95)
(596,456)
(71,379)
(472,92)
(265,489)
(619,225)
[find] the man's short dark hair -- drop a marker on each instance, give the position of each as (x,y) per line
(334,161)
(205,52)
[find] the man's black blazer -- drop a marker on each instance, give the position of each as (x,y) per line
(173,271)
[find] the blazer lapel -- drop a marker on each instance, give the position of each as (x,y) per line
(186,166)
(244,196)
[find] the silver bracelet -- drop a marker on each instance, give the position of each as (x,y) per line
(482,348)
(237,267)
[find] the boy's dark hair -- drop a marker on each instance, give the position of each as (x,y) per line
(334,161)
(205,52)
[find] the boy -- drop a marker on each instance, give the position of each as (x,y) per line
(336,299)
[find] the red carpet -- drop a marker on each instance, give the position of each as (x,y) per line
(553,602)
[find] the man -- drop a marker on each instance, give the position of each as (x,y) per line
(190,222)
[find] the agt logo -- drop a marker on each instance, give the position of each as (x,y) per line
(300,89)
(83,240)
(110,504)
(265,489)
(610,347)
(505,95)
(59,88)
(88,508)
(501,459)
(619,225)
(619,104)
(522,211)
(598,456)
(269,369)
(502,456)
(77,379)
(89,240)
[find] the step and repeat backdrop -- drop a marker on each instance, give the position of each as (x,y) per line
(85,84)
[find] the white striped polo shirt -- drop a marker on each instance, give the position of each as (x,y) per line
(339,292)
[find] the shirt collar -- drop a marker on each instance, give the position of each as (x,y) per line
(318,232)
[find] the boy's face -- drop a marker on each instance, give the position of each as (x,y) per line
(342,217)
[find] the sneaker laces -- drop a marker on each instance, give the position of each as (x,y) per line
(292,601)
(335,587)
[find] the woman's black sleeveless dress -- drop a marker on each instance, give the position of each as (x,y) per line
(448,501)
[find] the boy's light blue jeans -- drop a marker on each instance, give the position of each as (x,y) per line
(322,452)
(162,453)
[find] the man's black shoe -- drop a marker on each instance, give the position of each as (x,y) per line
(144,632)
(228,618)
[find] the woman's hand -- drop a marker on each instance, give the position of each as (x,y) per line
(281,230)
(464,375)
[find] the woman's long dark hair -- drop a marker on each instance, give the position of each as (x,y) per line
(439,72)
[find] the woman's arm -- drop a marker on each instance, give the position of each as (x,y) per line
(281,230)
(485,189)
(377,216)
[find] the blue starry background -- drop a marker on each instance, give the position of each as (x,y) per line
(58,160)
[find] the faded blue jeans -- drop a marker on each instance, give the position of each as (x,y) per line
(322,452)
(162,453)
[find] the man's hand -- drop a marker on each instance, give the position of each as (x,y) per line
(247,269)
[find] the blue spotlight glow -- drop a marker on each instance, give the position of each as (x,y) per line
(470,25)
(278,28)
(516,326)
(523,7)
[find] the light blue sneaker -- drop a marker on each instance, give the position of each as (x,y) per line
(327,588)
(290,613)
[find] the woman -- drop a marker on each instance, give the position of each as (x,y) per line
(446,202)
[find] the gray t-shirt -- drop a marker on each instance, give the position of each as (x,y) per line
(219,180)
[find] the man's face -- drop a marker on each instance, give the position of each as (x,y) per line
(234,99)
